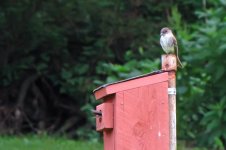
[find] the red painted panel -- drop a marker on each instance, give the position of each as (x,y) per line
(109,135)
(104,122)
(142,118)
(130,84)
(109,140)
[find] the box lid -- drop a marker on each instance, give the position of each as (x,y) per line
(134,82)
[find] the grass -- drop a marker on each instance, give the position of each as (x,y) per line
(45,143)
(55,143)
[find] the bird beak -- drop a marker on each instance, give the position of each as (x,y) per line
(161,34)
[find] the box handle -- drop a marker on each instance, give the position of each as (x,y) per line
(96,112)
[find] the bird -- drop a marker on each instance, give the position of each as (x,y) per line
(169,43)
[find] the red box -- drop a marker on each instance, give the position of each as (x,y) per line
(135,113)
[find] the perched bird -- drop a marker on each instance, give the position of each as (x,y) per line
(169,43)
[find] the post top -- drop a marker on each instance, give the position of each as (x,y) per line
(169,62)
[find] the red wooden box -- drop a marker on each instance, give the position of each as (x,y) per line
(135,114)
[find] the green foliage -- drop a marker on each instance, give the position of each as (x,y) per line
(130,69)
(202,84)
(66,43)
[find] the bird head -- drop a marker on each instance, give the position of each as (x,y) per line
(164,31)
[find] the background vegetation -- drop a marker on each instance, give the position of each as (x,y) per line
(54,53)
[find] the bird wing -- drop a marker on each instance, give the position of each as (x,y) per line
(176,51)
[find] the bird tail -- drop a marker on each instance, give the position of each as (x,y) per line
(179,63)
(178,60)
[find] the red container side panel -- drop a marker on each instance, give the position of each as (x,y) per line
(141,119)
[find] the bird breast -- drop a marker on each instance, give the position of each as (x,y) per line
(167,44)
